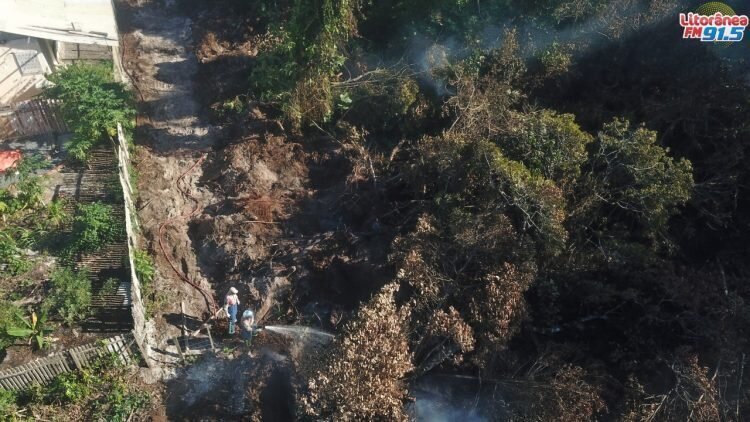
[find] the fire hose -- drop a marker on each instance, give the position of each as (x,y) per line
(210,303)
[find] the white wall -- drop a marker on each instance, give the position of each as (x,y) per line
(15,84)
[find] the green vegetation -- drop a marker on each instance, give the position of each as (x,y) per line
(25,193)
(70,295)
(71,387)
(105,391)
(9,318)
(24,218)
(549,144)
(11,253)
(33,329)
(92,104)
(8,408)
(33,228)
(55,214)
(564,199)
(475,180)
(146,271)
(94,226)
(631,175)
(144,267)
(110,285)
(30,226)
(303,64)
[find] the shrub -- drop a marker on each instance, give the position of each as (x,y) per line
(307,58)
(55,214)
(92,104)
(110,285)
(499,309)
(363,379)
(71,387)
(8,319)
(120,402)
(144,267)
(380,102)
(70,296)
(25,194)
(11,254)
(146,271)
(549,144)
(93,227)
(694,395)
(101,392)
(631,183)
(32,329)
(568,398)
(8,406)
(275,72)
(555,60)
(471,179)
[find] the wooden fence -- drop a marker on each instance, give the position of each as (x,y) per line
(42,371)
(31,118)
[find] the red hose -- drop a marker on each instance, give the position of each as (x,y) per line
(210,303)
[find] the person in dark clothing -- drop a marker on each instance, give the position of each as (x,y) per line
(247,324)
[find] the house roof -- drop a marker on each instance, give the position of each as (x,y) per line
(8,159)
(74,21)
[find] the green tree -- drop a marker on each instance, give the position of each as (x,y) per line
(549,144)
(631,185)
(300,69)
(92,104)
(475,178)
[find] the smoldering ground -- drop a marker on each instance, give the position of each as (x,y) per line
(234,387)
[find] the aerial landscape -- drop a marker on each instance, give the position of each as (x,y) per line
(353,210)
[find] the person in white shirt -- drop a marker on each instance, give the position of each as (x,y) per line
(231,303)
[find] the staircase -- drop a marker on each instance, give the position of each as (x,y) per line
(98,181)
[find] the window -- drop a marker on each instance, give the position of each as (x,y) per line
(28,62)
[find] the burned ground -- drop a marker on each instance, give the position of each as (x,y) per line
(304,221)
(275,215)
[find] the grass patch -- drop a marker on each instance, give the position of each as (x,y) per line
(107,391)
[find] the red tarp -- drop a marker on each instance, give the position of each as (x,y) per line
(8,159)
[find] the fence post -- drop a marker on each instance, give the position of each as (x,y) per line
(77,362)
(210,337)
(179,349)
(184,327)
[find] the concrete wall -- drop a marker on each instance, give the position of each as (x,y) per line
(70,53)
(140,324)
(22,68)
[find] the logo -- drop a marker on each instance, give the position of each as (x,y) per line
(714,22)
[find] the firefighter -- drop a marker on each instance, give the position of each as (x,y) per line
(231,302)
(247,324)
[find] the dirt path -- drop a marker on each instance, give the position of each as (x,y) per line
(158,57)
